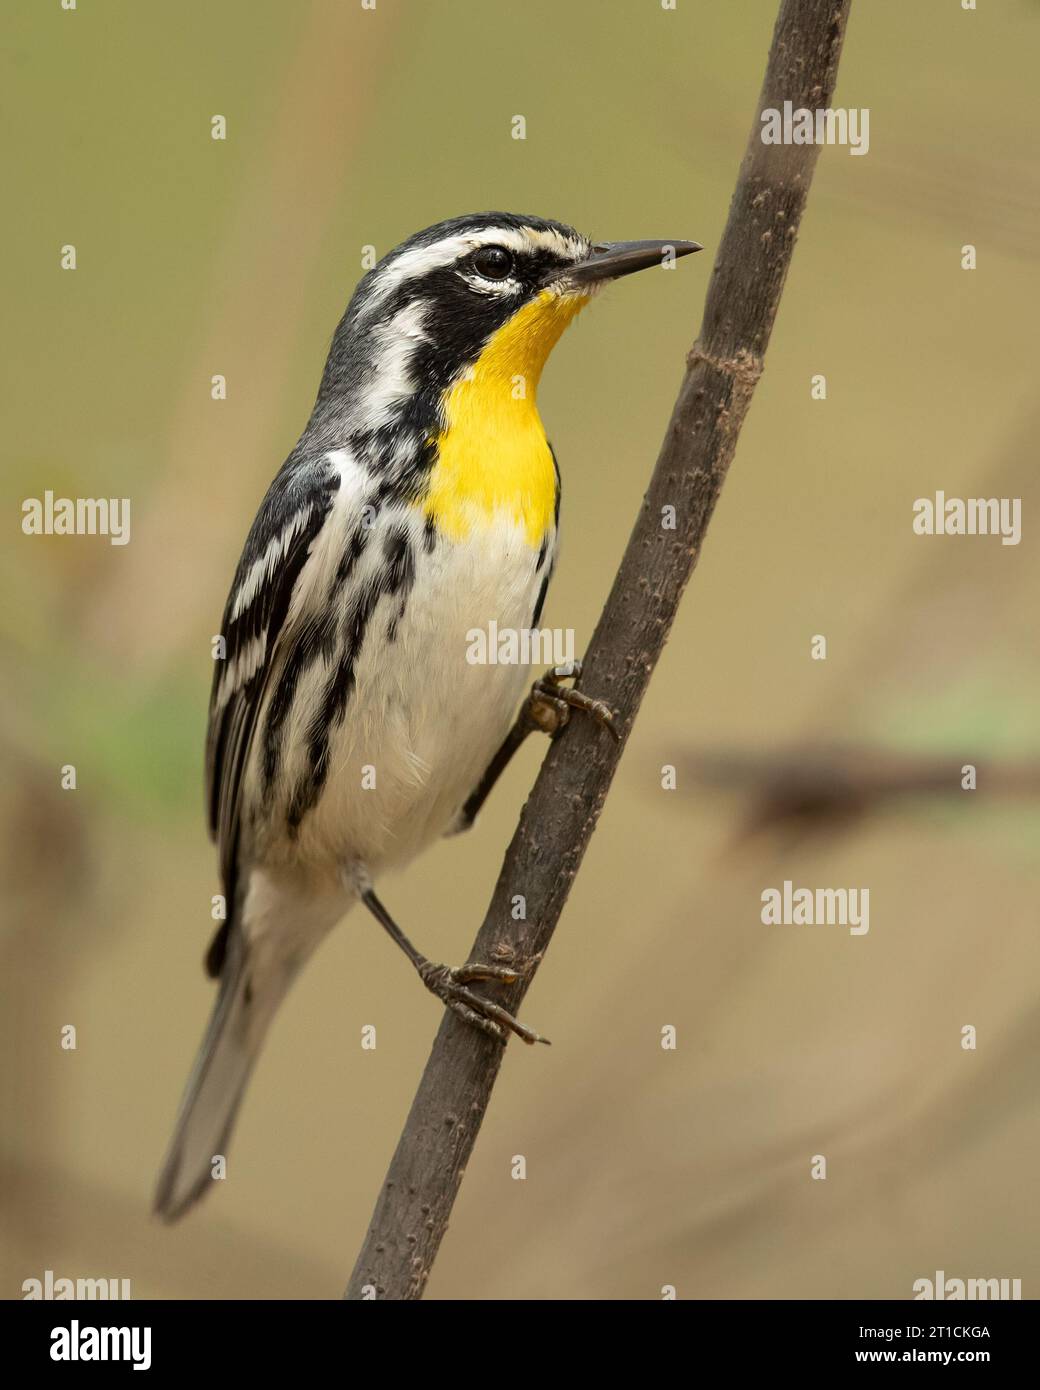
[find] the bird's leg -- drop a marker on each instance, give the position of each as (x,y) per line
(547,709)
(451,985)
(495,768)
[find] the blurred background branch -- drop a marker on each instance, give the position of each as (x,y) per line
(821,789)
(417,1196)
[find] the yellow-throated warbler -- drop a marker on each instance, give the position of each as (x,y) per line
(347,729)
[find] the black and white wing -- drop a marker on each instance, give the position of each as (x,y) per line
(276,550)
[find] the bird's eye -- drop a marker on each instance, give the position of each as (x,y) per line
(493,262)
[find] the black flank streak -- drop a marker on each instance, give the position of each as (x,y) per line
(353,553)
(395,580)
(399,576)
(337,694)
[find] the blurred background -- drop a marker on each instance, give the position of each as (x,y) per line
(646,1167)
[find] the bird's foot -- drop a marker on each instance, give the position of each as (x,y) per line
(550,702)
(451,986)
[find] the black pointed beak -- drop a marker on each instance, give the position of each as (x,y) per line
(608,260)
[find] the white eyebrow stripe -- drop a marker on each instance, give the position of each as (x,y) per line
(420,260)
(575,247)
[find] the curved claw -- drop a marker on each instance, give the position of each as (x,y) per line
(561,699)
(451,986)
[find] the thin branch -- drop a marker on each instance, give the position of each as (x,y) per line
(415,1203)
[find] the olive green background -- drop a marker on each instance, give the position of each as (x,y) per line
(644,1167)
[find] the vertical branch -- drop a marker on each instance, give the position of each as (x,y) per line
(416,1200)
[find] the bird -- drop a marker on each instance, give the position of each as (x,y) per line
(347,730)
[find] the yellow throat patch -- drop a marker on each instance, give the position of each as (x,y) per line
(493,458)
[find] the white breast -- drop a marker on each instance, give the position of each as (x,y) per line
(423,721)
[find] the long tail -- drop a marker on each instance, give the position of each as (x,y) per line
(229,1050)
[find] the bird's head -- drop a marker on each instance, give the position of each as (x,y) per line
(489,293)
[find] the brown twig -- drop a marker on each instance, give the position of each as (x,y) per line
(415,1203)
